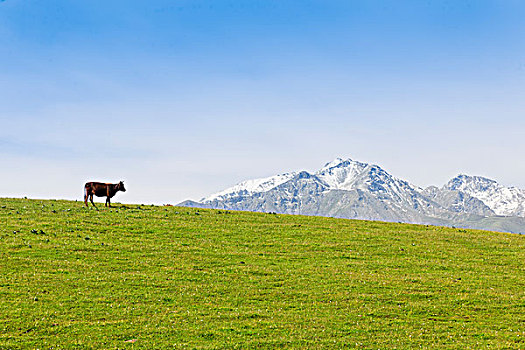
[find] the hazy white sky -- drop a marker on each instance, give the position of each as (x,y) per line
(181,99)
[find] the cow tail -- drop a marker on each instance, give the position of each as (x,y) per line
(85,192)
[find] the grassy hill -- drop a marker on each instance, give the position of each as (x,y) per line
(171,277)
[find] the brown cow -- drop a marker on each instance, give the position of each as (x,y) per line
(100,189)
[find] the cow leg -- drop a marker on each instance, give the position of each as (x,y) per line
(91,199)
(107,196)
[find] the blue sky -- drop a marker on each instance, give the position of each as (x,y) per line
(184,98)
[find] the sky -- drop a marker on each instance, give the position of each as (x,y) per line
(184,98)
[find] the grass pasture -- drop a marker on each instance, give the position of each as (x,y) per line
(150,277)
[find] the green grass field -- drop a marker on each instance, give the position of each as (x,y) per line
(168,277)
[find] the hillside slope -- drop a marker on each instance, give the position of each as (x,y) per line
(147,277)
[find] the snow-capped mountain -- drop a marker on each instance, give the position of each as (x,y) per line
(250,187)
(341,174)
(351,189)
(506,201)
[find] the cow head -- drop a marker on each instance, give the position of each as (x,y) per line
(121,186)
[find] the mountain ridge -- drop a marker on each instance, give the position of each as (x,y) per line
(351,189)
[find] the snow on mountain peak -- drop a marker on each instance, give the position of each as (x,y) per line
(334,163)
(472,183)
(341,174)
(506,201)
(252,186)
(349,174)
